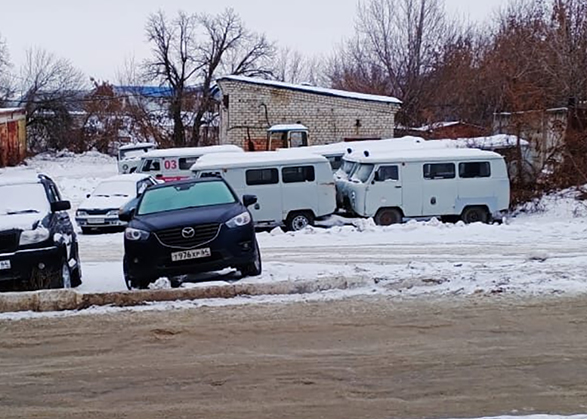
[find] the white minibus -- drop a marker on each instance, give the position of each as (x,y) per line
(467,183)
(292,189)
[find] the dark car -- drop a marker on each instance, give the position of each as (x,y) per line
(38,244)
(185,227)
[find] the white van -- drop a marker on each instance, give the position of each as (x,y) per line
(467,183)
(129,156)
(175,163)
(292,189)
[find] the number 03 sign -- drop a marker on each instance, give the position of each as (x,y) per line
(170,164)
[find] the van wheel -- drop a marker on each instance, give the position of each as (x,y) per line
(388,216)
(299,220)
(475,215)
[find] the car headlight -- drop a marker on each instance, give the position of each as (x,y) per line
(134,234)
(240,220)
(81,213)
(38,235)
(113,213)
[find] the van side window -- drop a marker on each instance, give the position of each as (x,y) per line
(298,174)
(387,173)
(335,162)
(210,174)
(474,169)
(439,171)
(151,166)
(262,177)
(186,163)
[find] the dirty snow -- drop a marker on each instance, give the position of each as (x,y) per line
(540,249)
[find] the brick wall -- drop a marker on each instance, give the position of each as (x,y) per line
(250,109)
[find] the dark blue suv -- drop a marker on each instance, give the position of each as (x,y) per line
(185,227)
(38,244)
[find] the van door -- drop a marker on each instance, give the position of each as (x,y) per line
(385,190)
(439,189)
(298,189)
(264,183)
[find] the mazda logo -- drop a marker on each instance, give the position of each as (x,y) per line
(188,233)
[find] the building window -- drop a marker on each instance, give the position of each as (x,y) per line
(439,171)
(262,177)
(474,170)
(298,174)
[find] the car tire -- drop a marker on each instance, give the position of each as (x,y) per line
(475,215)
(254,268)
(299,220)
(388,216)
(62,277)
(76,273)
(133,283)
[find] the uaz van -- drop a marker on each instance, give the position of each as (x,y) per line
(467,183)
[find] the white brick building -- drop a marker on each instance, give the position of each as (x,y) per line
(250,106)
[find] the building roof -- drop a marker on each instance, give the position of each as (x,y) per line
(314,89)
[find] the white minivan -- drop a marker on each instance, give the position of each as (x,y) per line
(292,188)
(467,183)
(174,163)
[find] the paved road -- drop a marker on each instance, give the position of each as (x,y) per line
(356,358)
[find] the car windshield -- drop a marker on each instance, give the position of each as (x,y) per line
(23,198)
(185,195)
(116,188)
(362,173)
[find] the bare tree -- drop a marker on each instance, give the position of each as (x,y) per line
(174,61)
(228,47)
(51,89)
(291,66)
(6,88)
(395,45)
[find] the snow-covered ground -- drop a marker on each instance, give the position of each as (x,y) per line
(542,250)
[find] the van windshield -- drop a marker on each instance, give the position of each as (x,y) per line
(362,173)
(347,167)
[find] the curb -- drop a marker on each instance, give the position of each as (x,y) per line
(65,300)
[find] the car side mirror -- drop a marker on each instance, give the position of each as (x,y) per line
(249,200)
(126,214)
(60,206)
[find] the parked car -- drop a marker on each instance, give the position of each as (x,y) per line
(38,244)
(189,226)
(174,163)
(99,211)
(129,156)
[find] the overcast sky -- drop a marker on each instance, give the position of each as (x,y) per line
(97,37)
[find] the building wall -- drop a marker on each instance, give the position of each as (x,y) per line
(249,109)
(12,137)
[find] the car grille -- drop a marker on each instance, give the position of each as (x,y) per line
(97,211)
(8,241)
(202,233)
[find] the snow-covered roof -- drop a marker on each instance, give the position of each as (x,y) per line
(287,127)
(255,159)
(428,154)
(492,142)
(193,151)
(136,146)
(314,89)
(436,125)
(12,110)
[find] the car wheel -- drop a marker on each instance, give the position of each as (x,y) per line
(475,215)
(134,282)
(62,277)
(254,268)
(388,216)
(298,221)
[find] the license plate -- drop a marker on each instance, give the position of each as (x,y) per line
(5,264)
(95,221)
(191,254)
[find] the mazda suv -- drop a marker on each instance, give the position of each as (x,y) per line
(186,227)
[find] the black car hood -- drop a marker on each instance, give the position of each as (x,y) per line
(188,216)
